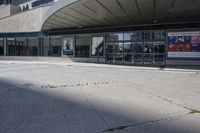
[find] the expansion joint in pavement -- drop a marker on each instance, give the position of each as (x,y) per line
(124,127)
(165,99)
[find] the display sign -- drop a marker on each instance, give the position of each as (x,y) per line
(40,2)
(68,46)
(184,44)
(97,46)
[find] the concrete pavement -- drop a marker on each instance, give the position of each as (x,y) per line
(43,97)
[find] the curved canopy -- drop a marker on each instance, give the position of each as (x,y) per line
(74,14)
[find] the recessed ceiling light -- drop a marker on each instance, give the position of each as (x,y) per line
(155,20)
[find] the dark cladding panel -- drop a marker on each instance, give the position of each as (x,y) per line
(1,2)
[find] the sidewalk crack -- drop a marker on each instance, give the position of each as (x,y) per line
(165,99)
(124,127)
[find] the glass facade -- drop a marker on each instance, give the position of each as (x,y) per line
(136,47)
(145,47)
(56,45)
(10,45)
(82,47)
(33,46)
(21,46)
(46,46)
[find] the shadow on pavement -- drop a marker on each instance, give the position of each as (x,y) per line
(27,110)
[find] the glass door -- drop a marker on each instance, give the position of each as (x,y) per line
(138,52)
(148,53)
(136,48)
(115,52)
(118,53)
(159,52)
(110,52)
(128,53)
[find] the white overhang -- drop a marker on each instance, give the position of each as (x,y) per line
(74,14)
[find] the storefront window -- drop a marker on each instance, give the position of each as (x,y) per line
(33,46)
(128,47)
(163,36)
(133,36)
(82,45)
(119,48)
(128,52)
(97,46)
(148,36)
(138,47)
(47,47)
(56,45)
(110,52)
(115,37)
(1,46)
(21,46)
(158,36)
(10,46)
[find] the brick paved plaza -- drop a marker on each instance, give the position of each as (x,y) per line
(47,97)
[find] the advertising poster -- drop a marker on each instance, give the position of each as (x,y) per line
(68,46)
(184,44)
(195,44)
(97,46)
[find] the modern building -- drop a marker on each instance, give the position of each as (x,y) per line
(133,32)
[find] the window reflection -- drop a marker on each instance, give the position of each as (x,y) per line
(33,43)
(10,46)
(133,36)
(110,52)
(21,46)
(47,46)
(115,37)
(154,36)
(82,45)
(128,47)
(148,36)
(56,45)
(119,48)
(138,47)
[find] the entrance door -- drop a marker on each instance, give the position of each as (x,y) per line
(128,53)
(118,50)
(115,53)
(148,53)
(131,49)
(110,52)
(159,52)
(138,52)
